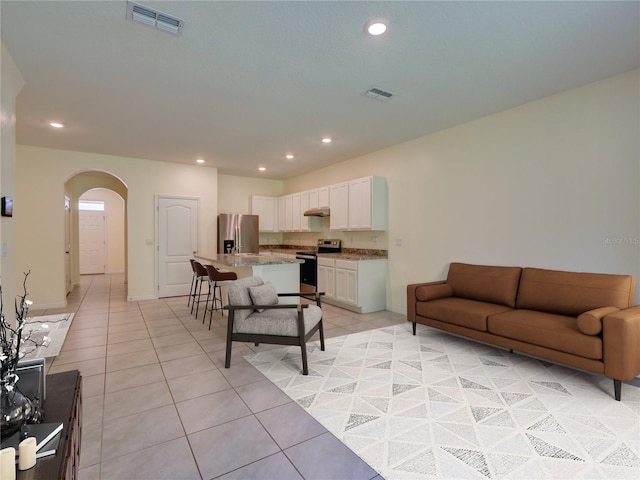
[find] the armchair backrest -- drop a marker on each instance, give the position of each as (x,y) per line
(238,293)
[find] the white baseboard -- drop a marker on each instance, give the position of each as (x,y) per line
(142,298)
(48,306)
(400,310)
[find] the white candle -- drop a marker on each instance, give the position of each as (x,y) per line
(8,463)
(27,453)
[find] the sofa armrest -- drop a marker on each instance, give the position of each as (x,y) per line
(416,290)
(621,337)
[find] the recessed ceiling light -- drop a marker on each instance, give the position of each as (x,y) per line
(376,27)
(289,156)
(262,169)
(199,160)
(56,125)
(326,140)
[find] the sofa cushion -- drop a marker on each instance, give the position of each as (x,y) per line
(238,292)
(484,283)
(549,330)
(460,311)
(590,323)
(275,321)
(573,293)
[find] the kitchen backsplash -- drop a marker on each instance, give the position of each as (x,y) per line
(351,251)
(353,240)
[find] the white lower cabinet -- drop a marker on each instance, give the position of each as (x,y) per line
(347,282)
(360,285)
(326,277)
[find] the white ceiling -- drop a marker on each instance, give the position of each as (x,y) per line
(247,82)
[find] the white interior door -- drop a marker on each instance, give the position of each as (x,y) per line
(91,233)
(177,243)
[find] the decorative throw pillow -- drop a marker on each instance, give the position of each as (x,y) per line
(265,294)
(238,292)
(590,323)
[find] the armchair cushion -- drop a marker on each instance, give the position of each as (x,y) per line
(265,294)
(238,293)
(278,321)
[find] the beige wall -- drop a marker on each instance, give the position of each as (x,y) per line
(11,82)
(41,177)
(114,226)
(234,193)
(551,184)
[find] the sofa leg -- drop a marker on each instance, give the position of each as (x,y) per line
(414,328)
(617,388)
(305,367)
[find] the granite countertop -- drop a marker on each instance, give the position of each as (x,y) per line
(247,260)
(347,253)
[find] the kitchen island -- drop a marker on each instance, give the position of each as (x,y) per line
(282,272)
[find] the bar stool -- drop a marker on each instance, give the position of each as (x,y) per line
(217,279)
(201,277)
(194,282)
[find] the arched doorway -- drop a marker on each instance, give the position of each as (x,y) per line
(101,231)
(77,186)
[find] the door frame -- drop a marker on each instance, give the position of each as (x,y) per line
(156,241)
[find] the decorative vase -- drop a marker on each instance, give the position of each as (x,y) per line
(16,410)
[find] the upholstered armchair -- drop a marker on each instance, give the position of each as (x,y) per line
(255,315)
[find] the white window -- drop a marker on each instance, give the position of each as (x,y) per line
(95,206)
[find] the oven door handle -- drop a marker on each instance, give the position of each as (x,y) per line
(306,257)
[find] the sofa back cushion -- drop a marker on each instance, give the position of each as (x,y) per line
(573,293)
(484,283)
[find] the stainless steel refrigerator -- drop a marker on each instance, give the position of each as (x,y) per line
(238,233)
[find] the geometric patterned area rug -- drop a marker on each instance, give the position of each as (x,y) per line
(438,406)
(34,331)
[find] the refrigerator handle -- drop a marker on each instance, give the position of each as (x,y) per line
(239,237)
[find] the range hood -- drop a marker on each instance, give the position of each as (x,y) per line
(317,212)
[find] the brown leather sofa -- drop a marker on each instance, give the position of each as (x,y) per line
(585,320)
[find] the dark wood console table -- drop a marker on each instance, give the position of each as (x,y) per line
(63,404)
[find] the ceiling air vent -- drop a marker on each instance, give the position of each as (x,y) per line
(379,94)
(154,18)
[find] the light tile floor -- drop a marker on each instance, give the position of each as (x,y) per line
(158,402)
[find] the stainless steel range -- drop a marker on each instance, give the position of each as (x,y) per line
(309,269)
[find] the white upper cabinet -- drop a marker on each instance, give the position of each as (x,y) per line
(291,217)
(282,225)
(368,204)
(288,213)
(323,196)
(313,199)
(359,204)
(267,209)
(339,206)
(296,212)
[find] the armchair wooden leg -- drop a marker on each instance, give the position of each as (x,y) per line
(305,367)
(321,331)
(227,358)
